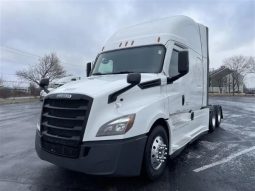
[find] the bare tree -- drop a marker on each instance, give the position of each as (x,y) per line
(251,64)
(1,82)
(240,66)
(221,83)
(33,90)
(48,67)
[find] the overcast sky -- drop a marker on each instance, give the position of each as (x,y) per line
(77,30)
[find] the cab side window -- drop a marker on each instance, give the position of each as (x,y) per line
(173,67)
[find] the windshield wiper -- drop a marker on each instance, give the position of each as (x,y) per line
(99,73)
(122,72)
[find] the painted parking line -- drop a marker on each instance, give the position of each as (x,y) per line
(227,159)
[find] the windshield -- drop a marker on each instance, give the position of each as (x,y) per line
(147,59)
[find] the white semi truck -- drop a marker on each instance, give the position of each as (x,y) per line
(144,99)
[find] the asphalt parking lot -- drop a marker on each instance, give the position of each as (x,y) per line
(223,160)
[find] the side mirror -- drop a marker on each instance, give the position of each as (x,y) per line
(183,62)
(88,68)
(134,78)
(43,83)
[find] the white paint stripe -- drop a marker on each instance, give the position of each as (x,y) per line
(224,160)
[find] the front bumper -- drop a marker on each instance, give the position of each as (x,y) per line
(114,158)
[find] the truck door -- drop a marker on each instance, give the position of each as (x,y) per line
(178,93)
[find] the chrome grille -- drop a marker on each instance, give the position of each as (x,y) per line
(63,123)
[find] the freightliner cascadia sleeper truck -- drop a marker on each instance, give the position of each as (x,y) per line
(144,99)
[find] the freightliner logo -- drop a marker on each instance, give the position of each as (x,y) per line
(64,96)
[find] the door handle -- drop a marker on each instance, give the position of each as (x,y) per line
(183,99)
(192,115)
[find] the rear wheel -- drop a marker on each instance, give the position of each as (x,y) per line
(218,114)
(212,120)
(155,156)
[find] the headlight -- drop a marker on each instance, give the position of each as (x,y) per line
(117,126)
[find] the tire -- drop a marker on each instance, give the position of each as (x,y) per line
(212,120)
(157,146)
(218,115)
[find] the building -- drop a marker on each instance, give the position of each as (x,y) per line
(221,81)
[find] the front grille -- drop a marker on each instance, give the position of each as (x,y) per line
(63,122)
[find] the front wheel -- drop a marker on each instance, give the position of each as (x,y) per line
(156,152)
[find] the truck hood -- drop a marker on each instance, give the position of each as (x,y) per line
(97,85)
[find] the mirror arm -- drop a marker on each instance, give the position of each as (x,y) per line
(113,96)
(89,68)
(170,80)
(45,89)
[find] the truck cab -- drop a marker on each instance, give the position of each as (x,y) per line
(144,99)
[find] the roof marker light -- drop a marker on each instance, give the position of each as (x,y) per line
(103,48)
(158,39)
(120,44)
(126,43)
(132,43)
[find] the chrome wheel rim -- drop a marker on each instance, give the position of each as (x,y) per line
(219,117)
(158,152)
(213,121)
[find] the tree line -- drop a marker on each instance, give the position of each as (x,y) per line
(239,67)
(49,66)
